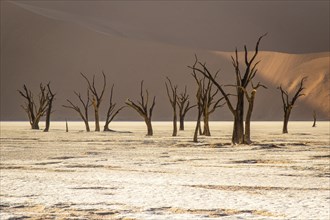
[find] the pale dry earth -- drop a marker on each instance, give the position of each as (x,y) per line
(80,175)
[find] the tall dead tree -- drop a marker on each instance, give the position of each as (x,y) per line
(50,99)
(142,108)
(242,81)
(288,104)
(250,98)
(172,96)
(34,110)
(112,112)
(97,98)
(83,114)
(184,107)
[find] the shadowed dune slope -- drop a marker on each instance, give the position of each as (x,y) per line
(37,49)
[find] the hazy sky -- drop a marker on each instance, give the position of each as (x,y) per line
(293,26)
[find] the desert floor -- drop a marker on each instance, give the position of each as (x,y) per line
(106,175)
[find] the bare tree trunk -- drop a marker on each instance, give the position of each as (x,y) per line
(66,126)
(97,119)
(206,131)
(181,124)
(314,117)
(175,127)
(35,125)
(50,99)
(198,125)
(149,127)
(247,138)
(238,132)
(286,121)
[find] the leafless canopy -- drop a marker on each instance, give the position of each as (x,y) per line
(34,110)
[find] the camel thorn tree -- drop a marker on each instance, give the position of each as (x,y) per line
(97,97)
(288,104)
(83,114)
(184,107)
(112,112)
(141,107)
(34,110)
(172,96)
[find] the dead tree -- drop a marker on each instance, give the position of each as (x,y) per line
(250,98)
(50,99)
(142,108)
(97,98)
(207,102)
(172,96)
(112,112)
(83,114)
(34,111)
(184,107)
(288,105)
(314,118)
(242,81)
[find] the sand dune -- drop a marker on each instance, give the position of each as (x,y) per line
(39,49)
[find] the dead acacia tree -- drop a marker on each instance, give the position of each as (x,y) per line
(142,108)
(250,98)
(97,98)
(83,114)
(112,112)
(50,99)
(288,104)
(184,107)
(242,81)
(172,96)
(34,110)
(207,102)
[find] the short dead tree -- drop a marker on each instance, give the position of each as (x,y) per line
(288,104)
(82,113)
(97,97)
(172,96)
(184,107)
(141,107)
(50,99)
(112,112)
(34,110)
